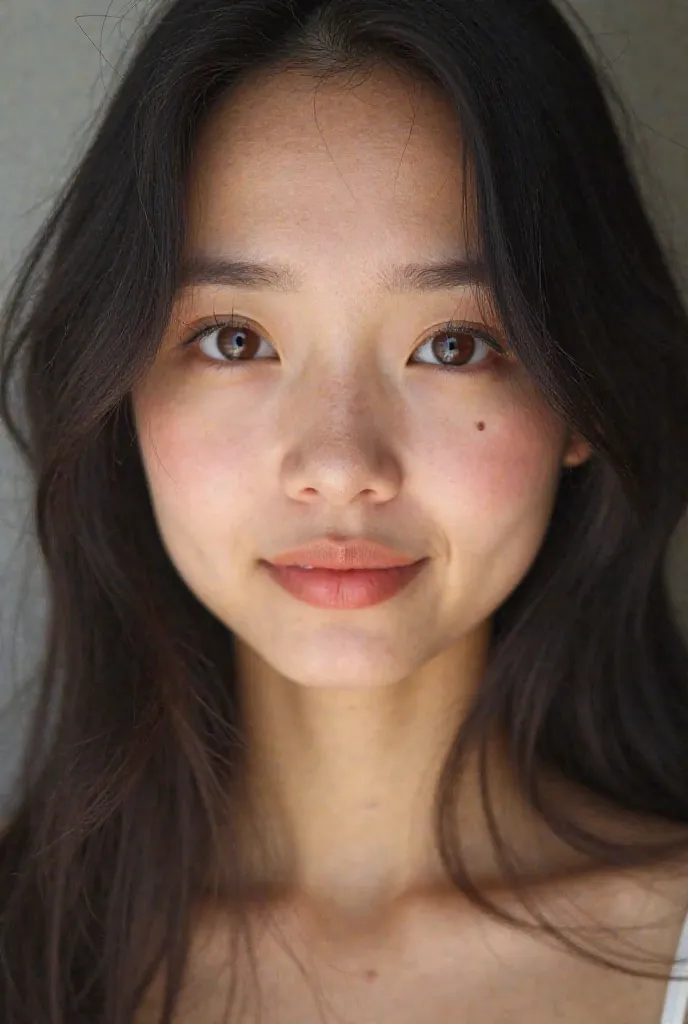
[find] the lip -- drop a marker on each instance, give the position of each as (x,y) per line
(344,554)
(341,588)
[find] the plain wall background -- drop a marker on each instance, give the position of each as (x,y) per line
(56,68)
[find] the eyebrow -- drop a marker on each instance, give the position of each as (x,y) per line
(203,269)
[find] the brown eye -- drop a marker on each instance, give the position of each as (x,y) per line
(233,342)
(457,345)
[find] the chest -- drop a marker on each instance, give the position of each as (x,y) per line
(493,977)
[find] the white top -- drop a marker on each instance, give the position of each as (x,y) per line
(676,1003)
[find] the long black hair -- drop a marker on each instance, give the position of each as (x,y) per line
(115,828)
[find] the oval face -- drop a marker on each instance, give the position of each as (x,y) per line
(355,384)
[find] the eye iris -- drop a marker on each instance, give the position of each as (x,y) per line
(458,344)
(233,350)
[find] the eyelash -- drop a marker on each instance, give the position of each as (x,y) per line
(449,326)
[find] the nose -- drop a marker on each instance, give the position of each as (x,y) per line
(346,449)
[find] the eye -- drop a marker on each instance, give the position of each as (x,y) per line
(458,345)
(234,339)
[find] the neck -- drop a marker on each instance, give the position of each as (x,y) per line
(340,784)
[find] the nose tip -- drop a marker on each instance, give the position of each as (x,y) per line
(344,487)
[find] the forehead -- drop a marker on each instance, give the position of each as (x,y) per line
(329,171)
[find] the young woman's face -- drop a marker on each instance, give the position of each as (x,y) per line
(336,406)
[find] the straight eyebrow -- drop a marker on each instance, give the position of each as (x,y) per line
(203,269)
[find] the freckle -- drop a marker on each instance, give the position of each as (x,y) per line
(370,975)
(480,426)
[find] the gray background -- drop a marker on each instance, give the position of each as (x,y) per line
(56,68)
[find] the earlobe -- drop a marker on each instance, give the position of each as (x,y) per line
(577,452)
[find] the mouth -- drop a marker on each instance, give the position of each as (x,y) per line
(323,587)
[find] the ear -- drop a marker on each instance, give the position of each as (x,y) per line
(577,451)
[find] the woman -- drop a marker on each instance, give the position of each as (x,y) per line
(352,379)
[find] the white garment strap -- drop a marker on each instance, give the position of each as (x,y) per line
(676,1002)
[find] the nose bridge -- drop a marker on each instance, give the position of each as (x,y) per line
(342,404)
(340,384)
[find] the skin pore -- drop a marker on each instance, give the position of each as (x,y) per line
(341,419)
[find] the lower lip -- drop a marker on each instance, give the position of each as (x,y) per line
(334,588)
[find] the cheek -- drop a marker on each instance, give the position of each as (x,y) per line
(493,494)
(503,476)
(199,473)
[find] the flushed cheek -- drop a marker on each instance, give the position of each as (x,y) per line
(499,469)
(492,496)
(199,474)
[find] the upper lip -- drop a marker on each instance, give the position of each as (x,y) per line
(348,553)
